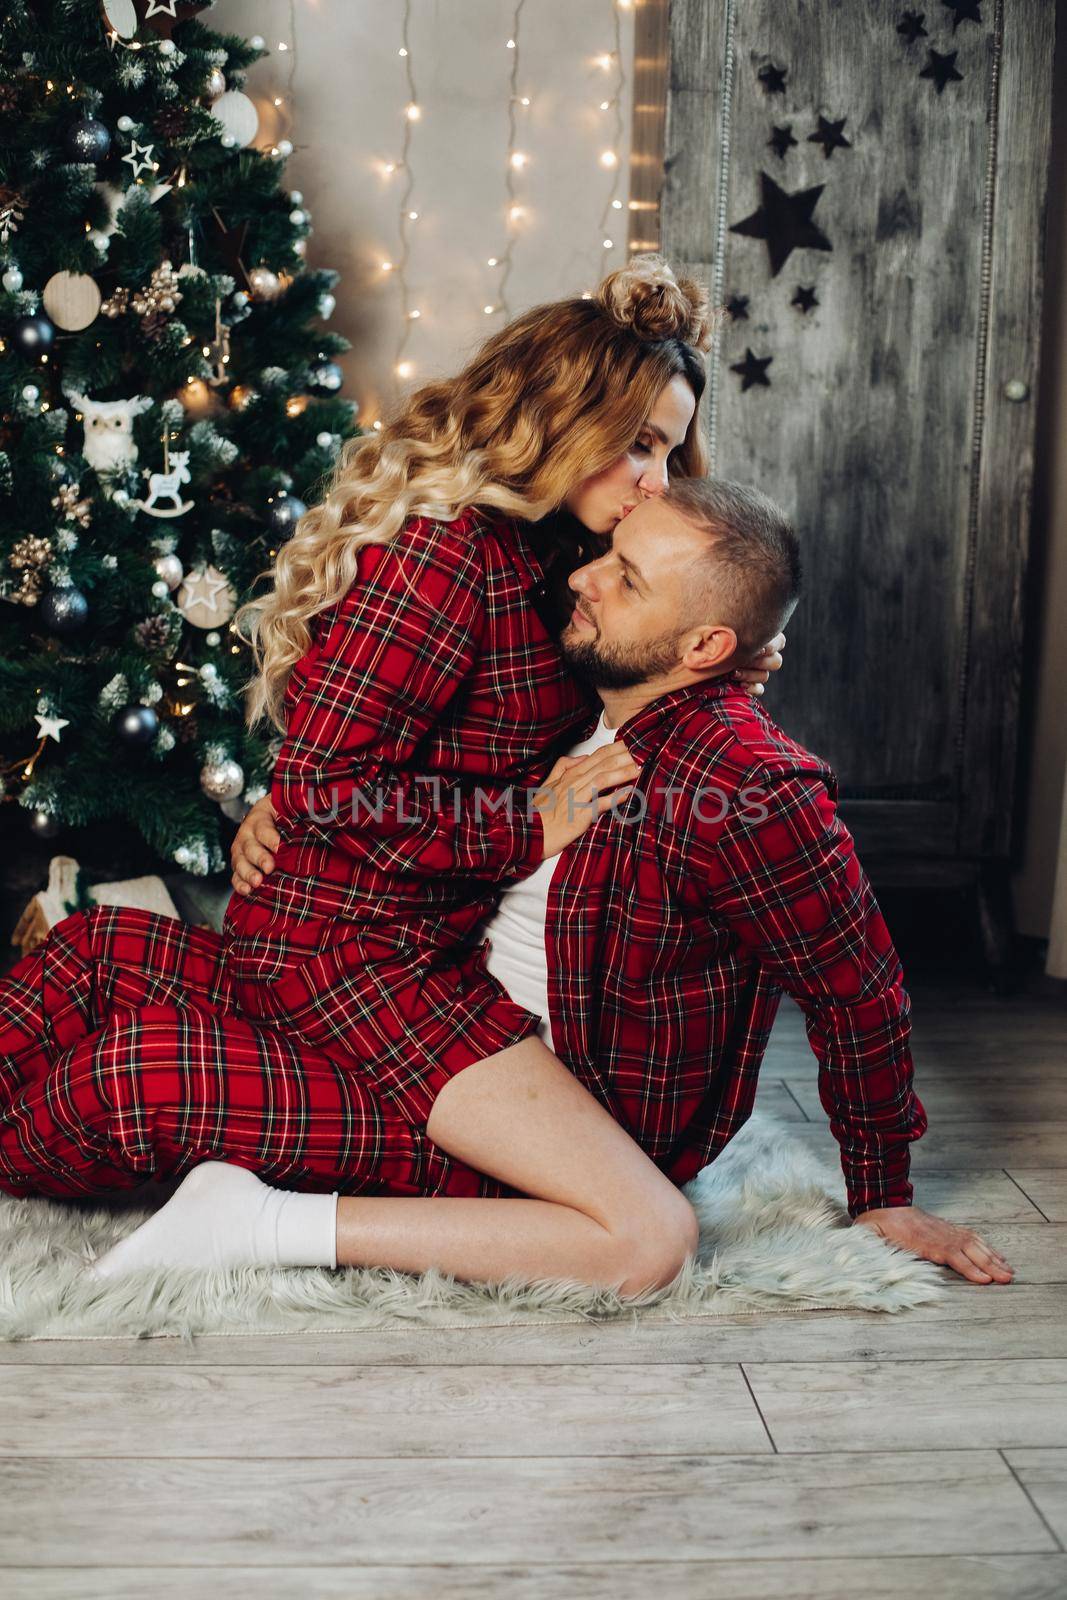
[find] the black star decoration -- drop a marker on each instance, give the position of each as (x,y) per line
(805,300)
(911,26)
(942,69)
(831,138)
(772,79)
(753,370)
(966,11)
(781,140)
(737,306)
(785,222)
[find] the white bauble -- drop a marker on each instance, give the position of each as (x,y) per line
(31,394)
(258,42)
(237,115)
(12,279)
(167,47)
(284,147)
(125,123)
(327,305)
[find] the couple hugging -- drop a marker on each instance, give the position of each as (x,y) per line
(511,929)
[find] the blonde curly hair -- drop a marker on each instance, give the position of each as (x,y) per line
(551,399)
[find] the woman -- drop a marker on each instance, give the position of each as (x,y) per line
(343,1030)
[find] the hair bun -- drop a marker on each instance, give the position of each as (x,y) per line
(646,296)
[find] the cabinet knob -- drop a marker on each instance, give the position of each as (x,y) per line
(1016,389)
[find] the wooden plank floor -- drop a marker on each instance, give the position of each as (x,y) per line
(814,1456)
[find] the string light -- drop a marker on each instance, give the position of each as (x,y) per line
(516,162)
(405,368)
(609,158)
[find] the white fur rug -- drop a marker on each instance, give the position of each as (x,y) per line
(775,1235)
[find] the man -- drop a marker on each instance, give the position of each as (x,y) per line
(656,946)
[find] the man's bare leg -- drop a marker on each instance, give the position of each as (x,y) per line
(600,1211)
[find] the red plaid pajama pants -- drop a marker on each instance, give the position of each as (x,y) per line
(124,1058)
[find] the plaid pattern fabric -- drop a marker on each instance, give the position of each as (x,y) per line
(435,667)
(122,1058)
(670,944)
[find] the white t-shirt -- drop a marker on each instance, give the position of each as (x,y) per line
(517,955)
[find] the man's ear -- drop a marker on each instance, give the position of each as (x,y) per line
(708,646)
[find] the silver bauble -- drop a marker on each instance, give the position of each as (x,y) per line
(12,279)
(170,570)
(216,84)
(236,809)
(222,780)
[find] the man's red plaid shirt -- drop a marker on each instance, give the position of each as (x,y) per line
(669,942)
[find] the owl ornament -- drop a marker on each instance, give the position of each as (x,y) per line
(109,445)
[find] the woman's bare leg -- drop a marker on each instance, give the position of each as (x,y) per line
(600,1211)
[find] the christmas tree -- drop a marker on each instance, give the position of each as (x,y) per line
(169,408)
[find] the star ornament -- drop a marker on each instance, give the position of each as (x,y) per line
(50,727)
(772,79)
(140,158)
(941,70)
(204,587)
(910,27)
(785,222)
(805,300)
(753,370)
(829,135)
(781,140)
(162,8)
(737,307)
(965,11)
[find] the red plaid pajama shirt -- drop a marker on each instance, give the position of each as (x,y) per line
(135,1046)
(671,937)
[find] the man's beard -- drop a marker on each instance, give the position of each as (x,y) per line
(619,666)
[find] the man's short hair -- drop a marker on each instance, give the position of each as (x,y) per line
(753,559)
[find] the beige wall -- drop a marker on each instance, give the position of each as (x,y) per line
(349,91)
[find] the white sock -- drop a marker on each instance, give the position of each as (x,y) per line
(224,1216)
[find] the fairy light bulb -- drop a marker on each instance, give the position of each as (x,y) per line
(413,216)
(488,310)
(401,51)
(492,261)
(519,160)
(413,112)
(516,213)
(524,100)
(605,105)
(609,244)
(608,158)
(414,314)
(404,369)
(511,44)
(387,266)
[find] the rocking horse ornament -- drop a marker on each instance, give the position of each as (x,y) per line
(165,485)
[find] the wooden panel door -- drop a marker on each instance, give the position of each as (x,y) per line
(863,186)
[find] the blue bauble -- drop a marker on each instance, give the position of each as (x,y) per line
(33,334)
(135,725)
(283,513)
(64,610)
(87,140)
